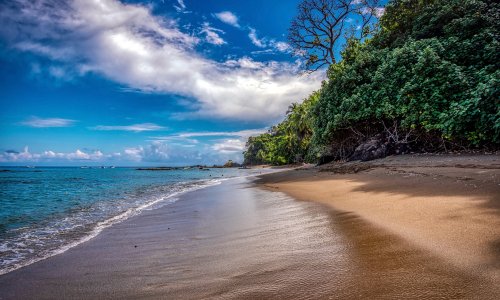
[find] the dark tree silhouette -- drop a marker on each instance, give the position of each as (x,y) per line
(319,26)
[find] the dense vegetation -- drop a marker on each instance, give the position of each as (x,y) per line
(427,80)
(288,141)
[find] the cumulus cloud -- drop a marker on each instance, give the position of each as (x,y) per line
(133,154)
(229,146)
(162,152)
(233,145)
(228,18)
(134,127)
(128,44)
(281,46)
(47,122)
(27,156)
(155,152)
(212,34)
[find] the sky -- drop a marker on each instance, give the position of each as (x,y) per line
(134,83)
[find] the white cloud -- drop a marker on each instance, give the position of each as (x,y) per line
(228,18)
(134,154)
(379,11)
(8,156)
(255,40)
(281,46)
(229,146)
(266,51)
(180,7)
(190,137)
(212,34)
(161,152)
(245,63)
(376,11)
(156,152)
(57,72)
(47,122)
(233,146)
(80,155)
(49,51)
(241,133)
(134,127)
(218,149)
(127,44)
(27,156)
(265,42)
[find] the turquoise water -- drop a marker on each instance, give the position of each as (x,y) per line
(44,211)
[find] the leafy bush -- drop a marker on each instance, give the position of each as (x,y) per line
(435,74)
(429,78)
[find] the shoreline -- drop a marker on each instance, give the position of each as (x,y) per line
(237,240)
(102,225)
(189,186)
(447,205)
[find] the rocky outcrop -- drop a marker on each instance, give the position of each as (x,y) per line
(373,148)
(231,164)
(376,147)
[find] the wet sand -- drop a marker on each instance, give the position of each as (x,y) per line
(238,241)
(445,205)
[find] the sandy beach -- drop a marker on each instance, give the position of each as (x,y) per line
(387,232)
(284,149)
(445,205)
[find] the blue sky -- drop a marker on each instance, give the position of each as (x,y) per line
(88,82)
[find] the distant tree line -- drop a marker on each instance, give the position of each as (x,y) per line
(427,79)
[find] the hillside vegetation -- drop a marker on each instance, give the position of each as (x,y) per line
(427,80)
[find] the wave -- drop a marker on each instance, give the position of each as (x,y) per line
(29,245)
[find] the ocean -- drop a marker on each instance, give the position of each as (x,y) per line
(47,210)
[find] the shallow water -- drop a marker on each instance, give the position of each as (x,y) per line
(43,211)
(236,241)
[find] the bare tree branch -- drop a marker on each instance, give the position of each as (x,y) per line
(316,32)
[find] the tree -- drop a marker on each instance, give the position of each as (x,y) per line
(320,26)
(287,142)
(427,80)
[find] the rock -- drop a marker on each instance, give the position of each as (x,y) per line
(398,148)
(326,159)
(231,164)
(374,148)
(379,146)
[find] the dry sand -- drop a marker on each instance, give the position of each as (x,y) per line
(394,233)
(236,241)
(447,205)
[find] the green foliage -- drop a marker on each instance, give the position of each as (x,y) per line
(433,69)
(431,73)
(288,142)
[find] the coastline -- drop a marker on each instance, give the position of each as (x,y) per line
(102,225)
(12,258)
(237,240)
(447,205)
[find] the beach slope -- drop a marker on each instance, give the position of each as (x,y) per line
(447,205)
(237,240)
